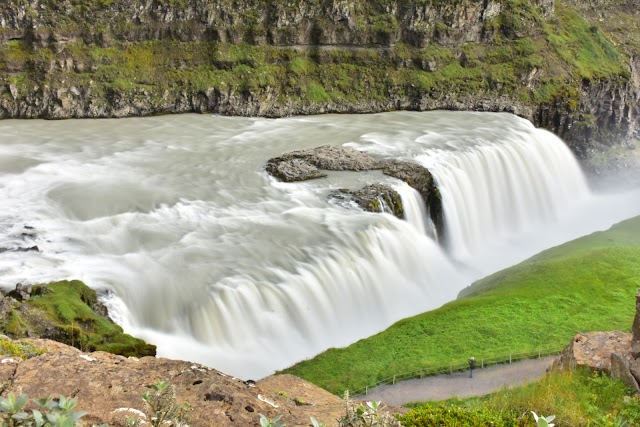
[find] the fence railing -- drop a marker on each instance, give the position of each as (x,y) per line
(429,371)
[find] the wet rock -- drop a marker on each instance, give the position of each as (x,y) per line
(377,198)
(305,164)
(292,169)
(421,180)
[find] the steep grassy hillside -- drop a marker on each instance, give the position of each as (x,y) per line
(584,285)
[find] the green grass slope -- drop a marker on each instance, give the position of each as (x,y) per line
(579,398)
(584,285)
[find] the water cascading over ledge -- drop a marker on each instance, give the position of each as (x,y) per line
(204,255)
(493,190)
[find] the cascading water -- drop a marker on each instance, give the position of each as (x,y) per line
(200,252)
(491,191)
(415,209)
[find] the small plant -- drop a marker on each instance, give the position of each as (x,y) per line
(274,422)
(55,413)
(161,408)
(543,421)
(368,415)
(316,423)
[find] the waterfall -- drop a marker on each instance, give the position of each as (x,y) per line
(195,249)
(415,209)
(492,190)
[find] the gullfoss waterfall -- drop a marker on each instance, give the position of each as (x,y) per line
(197,250)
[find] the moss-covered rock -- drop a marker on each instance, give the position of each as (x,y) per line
(379,198)
(68,312)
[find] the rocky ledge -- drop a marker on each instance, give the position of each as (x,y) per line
(109,387)
(308,164)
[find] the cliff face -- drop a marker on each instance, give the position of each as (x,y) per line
(319,22)
(111,58)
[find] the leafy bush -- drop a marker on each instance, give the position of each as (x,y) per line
(369,415)
(54,413)
(456,415)
(161,408)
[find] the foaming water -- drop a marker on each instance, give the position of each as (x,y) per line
(200,252)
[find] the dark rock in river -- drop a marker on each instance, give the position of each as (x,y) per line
(377,198)
(421,180)
(292,169)
(304,164)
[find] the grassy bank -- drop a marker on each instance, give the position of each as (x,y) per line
(584,285)
(579,398)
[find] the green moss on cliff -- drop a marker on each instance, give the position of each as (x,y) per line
(64,311)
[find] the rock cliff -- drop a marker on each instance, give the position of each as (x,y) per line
(553,62)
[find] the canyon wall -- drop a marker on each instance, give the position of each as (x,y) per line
(543,60)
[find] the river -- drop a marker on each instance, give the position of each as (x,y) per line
(194,248)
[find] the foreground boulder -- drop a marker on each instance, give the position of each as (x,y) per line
(108,386)
(614,353)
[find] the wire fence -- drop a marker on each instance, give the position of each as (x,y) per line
(430,371)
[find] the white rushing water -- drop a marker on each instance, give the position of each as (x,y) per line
(199,251)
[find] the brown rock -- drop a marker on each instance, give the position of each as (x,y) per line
(291,170)
(103,383)
(635,330)
(620,369)
(594,350)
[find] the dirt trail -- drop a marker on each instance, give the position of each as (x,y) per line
(459,384)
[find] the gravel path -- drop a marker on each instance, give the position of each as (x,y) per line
(459,384)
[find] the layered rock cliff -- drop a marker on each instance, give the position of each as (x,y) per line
(542,60)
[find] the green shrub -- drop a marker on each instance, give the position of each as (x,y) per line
(460,416)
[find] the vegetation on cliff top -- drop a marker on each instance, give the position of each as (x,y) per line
(540,303)
(523,57)
(65,312)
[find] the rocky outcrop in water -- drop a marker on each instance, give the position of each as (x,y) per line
(110,386)
(420,179)
(375,198)
(308,164)
(615,353)
(305,164)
